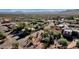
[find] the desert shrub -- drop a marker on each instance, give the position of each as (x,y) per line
(21,25)
(37,27)
(63,42)
(46,36)
(46,42)
(70,17)
(51,39)
(47,29)
(47,39)
(46,45)
(15,45)
(18,28)
(38,24)
(28,30)
(77,43)
(56,34)
(2,36)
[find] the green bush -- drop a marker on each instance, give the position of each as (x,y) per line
(46,36)
(63,42)
(2,35)
(28,30)
(56,34)
(47,39)
(77,43)
(15,45)
(46,42)
(21,25)
(38,24)
(70,18)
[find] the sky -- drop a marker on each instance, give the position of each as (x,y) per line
(31,10)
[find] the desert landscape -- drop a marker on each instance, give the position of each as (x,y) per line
(39,30)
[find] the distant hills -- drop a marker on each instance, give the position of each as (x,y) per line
(70,12)
(40,11)
(30,10)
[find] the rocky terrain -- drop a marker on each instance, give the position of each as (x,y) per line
(52,32)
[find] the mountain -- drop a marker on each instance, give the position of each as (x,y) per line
(24,11)
(40,11)
(70,12)
(30,10)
